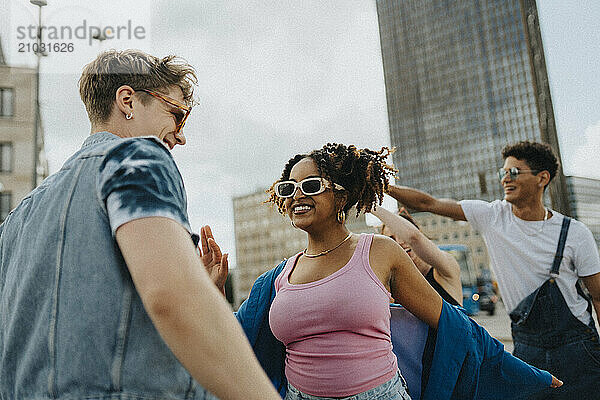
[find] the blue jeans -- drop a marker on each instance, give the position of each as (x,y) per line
(394,389)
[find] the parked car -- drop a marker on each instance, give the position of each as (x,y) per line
(487,296)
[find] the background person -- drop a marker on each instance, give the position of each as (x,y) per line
(552,323)
(102,292)
(440,269)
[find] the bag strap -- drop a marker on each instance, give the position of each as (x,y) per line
(561,246)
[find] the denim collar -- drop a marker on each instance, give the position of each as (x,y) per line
(99,137)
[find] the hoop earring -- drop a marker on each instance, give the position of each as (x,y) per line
(129,116)
(341,216)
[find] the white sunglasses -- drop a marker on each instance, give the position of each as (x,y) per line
(308,186)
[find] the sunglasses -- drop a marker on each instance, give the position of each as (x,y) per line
(308,186)
(514,172)
(179,117)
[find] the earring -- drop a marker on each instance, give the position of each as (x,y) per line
(129,116)
(341,216)
(293,224)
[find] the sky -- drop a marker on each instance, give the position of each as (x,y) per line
(276,79)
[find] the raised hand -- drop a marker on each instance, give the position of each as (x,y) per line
(214,261)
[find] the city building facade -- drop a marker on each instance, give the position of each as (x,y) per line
(464,79)
(461,83)
(584,194)
(18,106)
(264,237)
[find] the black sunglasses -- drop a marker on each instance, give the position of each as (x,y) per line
(514,172)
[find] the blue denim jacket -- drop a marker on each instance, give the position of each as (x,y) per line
(72,325)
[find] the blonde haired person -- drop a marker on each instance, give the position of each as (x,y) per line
(102,292)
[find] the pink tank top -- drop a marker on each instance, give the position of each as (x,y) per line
(336,330)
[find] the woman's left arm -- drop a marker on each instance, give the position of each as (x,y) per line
(407,284)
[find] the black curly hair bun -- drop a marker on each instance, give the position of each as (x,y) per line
(364,173)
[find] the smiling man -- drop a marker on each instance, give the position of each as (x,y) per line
(552,322)
(102,292)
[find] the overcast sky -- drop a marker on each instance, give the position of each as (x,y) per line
(277,78)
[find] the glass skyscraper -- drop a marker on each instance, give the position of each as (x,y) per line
(463,79)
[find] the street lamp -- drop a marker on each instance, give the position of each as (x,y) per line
(99,36)
(39,54)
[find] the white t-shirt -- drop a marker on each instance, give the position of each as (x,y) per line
(522,252)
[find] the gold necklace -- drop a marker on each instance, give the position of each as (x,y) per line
(325,251)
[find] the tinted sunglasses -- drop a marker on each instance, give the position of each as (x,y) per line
(308,186)
(514,172)
(179,117)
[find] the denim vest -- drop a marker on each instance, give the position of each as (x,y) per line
(72,325)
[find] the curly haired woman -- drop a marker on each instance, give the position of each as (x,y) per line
(332,353)
(329,304)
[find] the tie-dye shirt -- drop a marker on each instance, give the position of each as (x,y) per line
(138,178)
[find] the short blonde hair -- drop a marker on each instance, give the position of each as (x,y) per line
(112,69)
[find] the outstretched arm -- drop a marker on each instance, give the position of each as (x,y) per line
(421,201)
(407,284)
(444,264)
(188,311)
(404,231)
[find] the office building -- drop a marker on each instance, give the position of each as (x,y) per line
(17,120)
(463,79)
(584,194)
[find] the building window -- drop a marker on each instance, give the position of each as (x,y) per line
(5,202)
(6,102)
(6,156)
